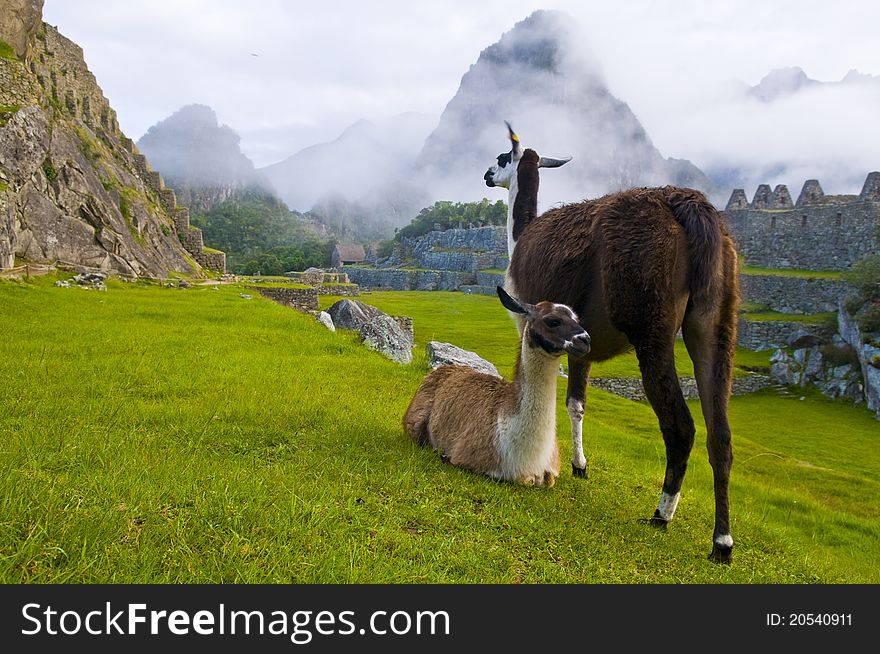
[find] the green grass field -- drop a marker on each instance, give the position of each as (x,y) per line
(791,272)
(152,434)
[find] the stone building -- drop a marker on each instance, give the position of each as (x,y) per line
(344,255)
(817,232)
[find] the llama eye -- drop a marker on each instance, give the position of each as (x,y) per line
(552,322)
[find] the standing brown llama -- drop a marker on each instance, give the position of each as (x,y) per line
(637,266)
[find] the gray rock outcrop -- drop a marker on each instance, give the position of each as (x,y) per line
(73,188)
(390,336)
(60,209)
(822,368)
(352,314)
(868,354)
(446,354)
(384,335)
(19,22)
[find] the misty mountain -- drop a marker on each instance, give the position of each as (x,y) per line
(779,82)
(782,82)
(788,128)
(366,157)
(542,78)
(201,159)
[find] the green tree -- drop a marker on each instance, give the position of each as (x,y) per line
(260,234)
(454,214)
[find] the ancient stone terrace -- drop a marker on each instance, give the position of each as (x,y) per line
(75,88)
(190,237)
(469,260)
(817,232)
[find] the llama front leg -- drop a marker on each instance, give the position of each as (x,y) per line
(578,375)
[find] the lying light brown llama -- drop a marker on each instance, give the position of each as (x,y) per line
(488,425)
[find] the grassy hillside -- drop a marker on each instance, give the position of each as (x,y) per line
(164,435)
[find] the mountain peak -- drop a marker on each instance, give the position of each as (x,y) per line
(780,82)
(533,42)
(200,158)
(543,78)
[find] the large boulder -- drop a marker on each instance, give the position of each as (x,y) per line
(352,314)
(384,335)
(389,336)
(446,354)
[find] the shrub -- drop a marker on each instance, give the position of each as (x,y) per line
(49,170)
(385,248)
(448,215)
(853,304)
(865,277)
(869,320)
(7,51)
(839,355)
(7,111)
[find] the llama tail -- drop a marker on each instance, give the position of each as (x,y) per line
(704,232)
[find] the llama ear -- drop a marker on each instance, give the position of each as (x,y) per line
(510,303)
(516,147)
(550,162)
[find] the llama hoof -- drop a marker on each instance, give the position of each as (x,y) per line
(578,472)
(721,554)
(655,521)
(549,479)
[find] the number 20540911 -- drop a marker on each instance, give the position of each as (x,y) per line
(809,619)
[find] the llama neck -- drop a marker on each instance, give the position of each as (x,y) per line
(528,433)
(523,199)
(511,203)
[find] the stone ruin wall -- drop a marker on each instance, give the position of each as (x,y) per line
(460,250)
(409,280)
(325,283)
(802,295)
(441,260)
(60,67)
(817,232)
(301,299)
(771,334)
(190,237)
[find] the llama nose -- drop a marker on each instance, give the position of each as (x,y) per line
(580,344)
(488,177)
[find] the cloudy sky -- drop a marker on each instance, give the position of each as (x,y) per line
(288,74)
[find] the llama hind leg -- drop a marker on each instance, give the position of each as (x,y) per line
(657,364)
(711,347)
(578,375)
